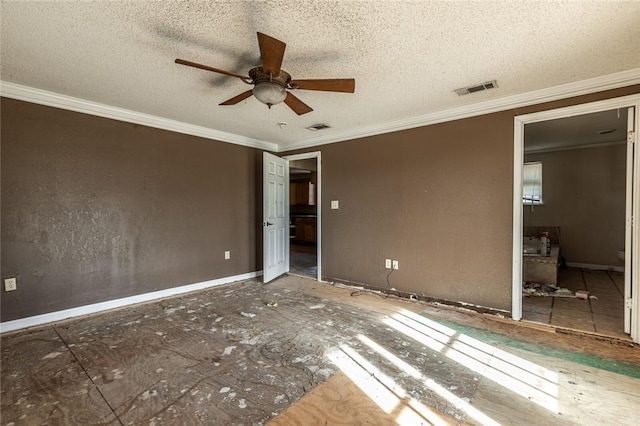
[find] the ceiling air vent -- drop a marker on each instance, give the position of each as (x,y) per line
(477,88)
(317,127)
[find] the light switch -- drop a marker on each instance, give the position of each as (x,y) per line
(335,204)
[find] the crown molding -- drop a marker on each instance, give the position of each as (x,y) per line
(563,91)
(43,97)
(573,147)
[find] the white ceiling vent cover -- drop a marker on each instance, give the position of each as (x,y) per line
(477,88)
(319,126)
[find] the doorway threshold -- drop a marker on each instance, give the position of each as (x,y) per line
(575,332)
(301,275)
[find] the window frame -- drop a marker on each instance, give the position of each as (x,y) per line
(532,196)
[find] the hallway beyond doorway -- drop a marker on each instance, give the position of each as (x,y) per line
(303,260)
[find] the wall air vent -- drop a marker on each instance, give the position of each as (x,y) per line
(477,88)
(319,126)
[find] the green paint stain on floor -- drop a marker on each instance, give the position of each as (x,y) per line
(497,339)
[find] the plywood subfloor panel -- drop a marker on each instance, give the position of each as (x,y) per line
(224,356)
(219,357)
(577,395)
(42,383)
(552,381)
(339,401)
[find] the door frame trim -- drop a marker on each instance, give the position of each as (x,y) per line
(518,159)
(318,156)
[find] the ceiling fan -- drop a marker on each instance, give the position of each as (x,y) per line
(270,83)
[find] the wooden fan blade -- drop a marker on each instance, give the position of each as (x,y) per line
(236,99)
(347,85)
(271,52)
(207,68)
(297,105)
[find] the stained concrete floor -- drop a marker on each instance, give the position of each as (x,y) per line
(603,314)
(224,356)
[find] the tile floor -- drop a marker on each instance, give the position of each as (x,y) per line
(604,315)
(303,260)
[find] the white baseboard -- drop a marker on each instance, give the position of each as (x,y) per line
(595,267)
(21,323)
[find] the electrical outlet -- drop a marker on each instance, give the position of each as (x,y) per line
(395,264)
(387,263)
(227,255)
(10,284)
(335,204)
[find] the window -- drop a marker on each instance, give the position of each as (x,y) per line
(532,184)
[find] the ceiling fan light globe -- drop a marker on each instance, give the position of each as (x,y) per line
(269,93)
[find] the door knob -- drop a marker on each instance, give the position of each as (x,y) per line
(267,223)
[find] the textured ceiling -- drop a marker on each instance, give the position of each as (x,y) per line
(601,128)
(406,57)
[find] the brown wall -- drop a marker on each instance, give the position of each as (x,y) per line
(95,209)
(584,194)
(436,198)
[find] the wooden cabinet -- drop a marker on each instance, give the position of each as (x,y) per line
(302,193)
(306,229)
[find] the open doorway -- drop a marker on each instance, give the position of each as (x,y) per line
(575,179)
(574,222)
(305,212)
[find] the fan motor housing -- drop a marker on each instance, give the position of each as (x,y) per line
(259,76)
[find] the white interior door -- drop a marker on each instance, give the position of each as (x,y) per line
(275,216)
(631,235)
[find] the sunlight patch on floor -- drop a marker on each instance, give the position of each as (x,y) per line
(516,374)
(526,379)
(405,367)
(383,390)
